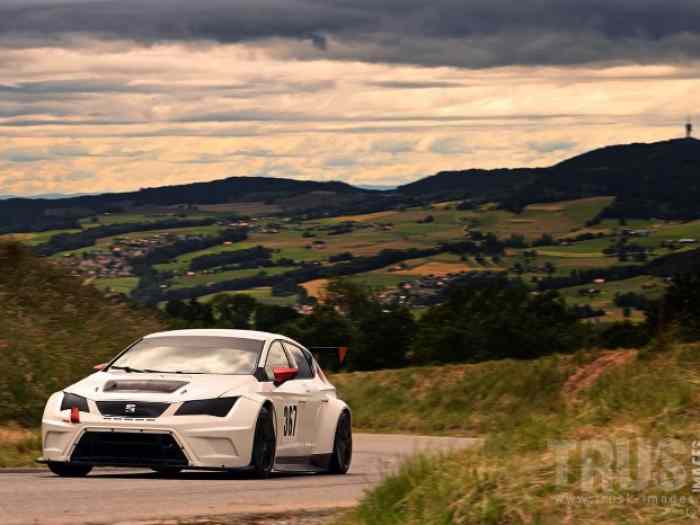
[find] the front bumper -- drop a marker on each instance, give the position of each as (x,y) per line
(167,441)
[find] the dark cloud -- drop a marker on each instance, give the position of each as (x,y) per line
(319,41)
(63,87)
(464,33)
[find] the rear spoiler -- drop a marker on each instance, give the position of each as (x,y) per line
(340,351)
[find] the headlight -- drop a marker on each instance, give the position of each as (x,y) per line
(219,407)
(72,400)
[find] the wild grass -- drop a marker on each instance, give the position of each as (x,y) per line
(55,328)
(19,447)
(455,399)
(521,408)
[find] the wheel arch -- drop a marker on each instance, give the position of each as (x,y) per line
(328,423)
(267,403)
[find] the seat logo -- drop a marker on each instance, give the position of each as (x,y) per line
(130,408)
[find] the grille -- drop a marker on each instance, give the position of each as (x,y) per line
(128,449)
(131,409)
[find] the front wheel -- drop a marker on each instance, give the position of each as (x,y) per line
(264,444)
(342,446)
(69,470)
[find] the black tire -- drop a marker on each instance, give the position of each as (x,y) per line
(167,471)
(264,445)
(342,446)
(69,470)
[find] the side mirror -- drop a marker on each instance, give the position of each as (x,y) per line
(283,375)
(100,367)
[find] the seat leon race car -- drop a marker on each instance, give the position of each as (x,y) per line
(201,399)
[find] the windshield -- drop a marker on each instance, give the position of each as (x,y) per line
(192,355)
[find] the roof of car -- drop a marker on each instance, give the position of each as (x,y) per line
(213,332)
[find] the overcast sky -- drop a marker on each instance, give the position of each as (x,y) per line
(105,95)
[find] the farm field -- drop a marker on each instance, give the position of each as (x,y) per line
(122,285)
(320,240)
(262,294)
(215,277)
(651,287)
(182,263)
(33,239)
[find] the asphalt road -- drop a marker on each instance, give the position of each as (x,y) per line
(121,497)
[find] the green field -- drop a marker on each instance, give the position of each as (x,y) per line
(123,285)
(181,264)
(200,279)
(32,239)
(262,294)
(403,229)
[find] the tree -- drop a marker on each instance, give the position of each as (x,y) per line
(234,311)
(350,298)
(198,313)
(549,268)
(324,327)
(493,320)
(382,339)
(271,317)
(679,307)
(176,308)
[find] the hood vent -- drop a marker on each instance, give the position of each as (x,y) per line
(143,385)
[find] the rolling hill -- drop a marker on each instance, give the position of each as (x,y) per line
(21,215)
(474,183)
(657,180)
(660,180)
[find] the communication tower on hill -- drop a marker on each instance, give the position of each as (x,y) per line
(688,129)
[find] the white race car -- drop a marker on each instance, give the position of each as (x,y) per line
(201,399)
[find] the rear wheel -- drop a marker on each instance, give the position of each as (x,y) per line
(264,444)
(69,470)
(342,446)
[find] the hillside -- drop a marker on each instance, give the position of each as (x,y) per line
(474,183)
(54,330)
(658,180)
(521,409)
(19,215)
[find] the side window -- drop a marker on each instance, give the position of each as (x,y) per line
(276,358)
(301,361)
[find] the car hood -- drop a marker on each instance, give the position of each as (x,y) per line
(118,385)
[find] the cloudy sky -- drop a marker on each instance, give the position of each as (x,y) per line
(105,95)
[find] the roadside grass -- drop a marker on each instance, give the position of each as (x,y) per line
(465,400)
(19,447)
(522,408)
